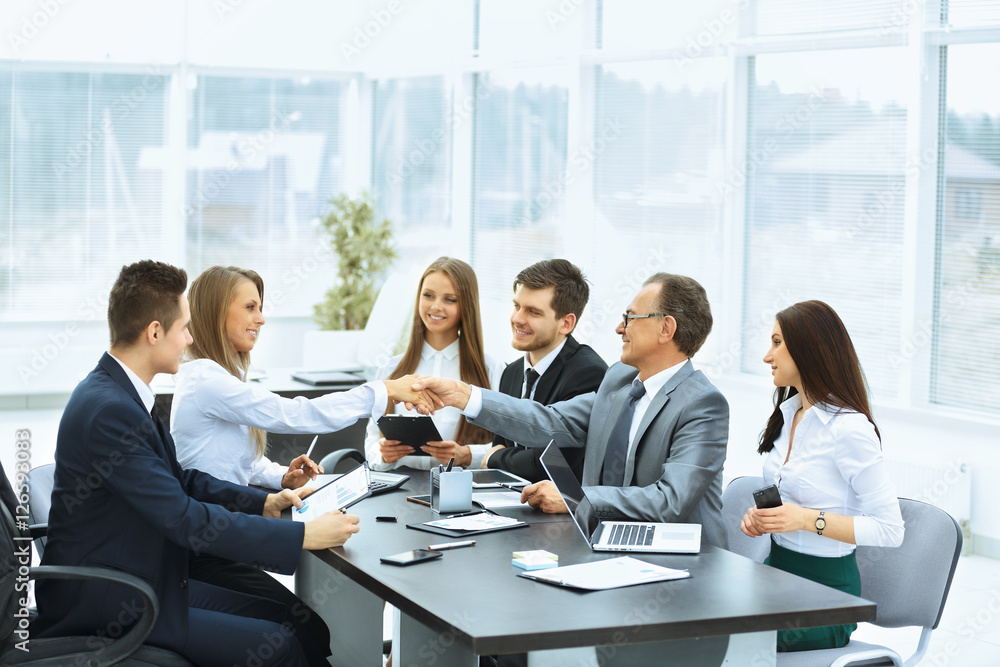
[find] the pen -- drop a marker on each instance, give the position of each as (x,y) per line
(311,445)
(472,513)
(452,545)
(508,486)
(451,462)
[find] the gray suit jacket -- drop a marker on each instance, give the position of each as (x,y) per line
(675,471)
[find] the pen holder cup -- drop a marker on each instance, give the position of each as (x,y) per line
(451,491)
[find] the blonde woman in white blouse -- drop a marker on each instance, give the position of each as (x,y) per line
(824,453)
(446,340)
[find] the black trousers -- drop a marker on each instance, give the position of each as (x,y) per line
(306,624)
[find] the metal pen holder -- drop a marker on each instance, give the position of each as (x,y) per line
(451,491)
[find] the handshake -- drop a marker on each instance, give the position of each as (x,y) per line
(427,394)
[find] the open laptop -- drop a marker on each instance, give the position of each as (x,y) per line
(672,538)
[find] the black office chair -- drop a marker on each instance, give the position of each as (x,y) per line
(126,651)
(40,482)
(333,459)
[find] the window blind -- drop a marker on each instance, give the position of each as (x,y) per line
(966,360)
(264,157)
(826,163)
(79,198)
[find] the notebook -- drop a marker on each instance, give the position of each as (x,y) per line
(675,538)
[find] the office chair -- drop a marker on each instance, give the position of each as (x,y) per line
(331,460)
(40,483)
(737,497)
(126,651)
(929,554)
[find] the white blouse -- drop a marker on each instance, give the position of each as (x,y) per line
(836,466)
(212,413)
(435,363)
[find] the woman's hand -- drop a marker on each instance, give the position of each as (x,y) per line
(393,450)
(445,450)
(300,471)
(786,518)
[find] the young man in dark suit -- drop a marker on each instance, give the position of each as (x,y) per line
(549,298)
(121,501)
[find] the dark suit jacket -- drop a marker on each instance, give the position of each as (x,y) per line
(576,370)
(121,501)
(675,473)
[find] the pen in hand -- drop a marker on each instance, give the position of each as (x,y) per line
(452,545)
(311,445)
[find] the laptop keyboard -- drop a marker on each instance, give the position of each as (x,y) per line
(631,535)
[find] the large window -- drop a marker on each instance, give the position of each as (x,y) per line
(79,196)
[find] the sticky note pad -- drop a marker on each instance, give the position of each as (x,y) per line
(537,553)
(534,563)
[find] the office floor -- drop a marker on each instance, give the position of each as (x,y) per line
(968,636)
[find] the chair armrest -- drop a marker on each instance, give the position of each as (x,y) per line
(38,530)
(331,460)
(116,650)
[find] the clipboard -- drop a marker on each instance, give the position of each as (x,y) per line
(491,523)
(413,431)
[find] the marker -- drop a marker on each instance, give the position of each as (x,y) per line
(311,445)
(452,545)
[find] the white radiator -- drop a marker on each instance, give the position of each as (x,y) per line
(944,483)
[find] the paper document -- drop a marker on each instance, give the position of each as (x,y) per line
(494,499)
(605,574)
(335,496)
(481,521)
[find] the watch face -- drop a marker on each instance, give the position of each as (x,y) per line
(820,524)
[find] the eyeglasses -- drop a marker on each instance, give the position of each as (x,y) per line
(626,317)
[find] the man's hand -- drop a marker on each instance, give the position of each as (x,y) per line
(444,450)
(393,450)
(300,471)
(275,502)
(488,454)
(401,391)
(545,497)
(329,530)
(452,393)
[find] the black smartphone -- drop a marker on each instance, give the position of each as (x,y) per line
(411,557)
(767,497)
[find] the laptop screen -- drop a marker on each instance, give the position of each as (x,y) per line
(569,487)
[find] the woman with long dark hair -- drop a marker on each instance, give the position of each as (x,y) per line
(824,453)
(446,340)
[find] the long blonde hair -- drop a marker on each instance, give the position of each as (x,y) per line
(210,296)
(471,358)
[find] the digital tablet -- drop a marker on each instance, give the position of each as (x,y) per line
(338,495)
(413,431)
(482,479)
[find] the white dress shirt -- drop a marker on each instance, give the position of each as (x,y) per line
(145,393)
(540,368)
(435,363)
(836,466)
(213,411)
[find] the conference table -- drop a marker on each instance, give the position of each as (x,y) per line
(472,602)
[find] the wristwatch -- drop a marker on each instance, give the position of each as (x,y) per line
(820,523)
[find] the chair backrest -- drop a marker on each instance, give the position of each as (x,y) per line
(40,483)
(910,583)
(737,497)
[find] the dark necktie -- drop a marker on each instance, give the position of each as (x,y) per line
(617,451)
(532,376)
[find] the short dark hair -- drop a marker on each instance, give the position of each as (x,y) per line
(686,301)
(144,292)
(571,290)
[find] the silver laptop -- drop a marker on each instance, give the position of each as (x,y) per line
(671,538)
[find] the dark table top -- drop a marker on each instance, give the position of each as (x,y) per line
(475,594)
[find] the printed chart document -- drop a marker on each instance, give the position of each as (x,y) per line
(335,496)
(475,522)
(606,574)
(492,500)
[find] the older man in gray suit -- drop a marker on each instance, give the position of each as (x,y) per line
(655,431)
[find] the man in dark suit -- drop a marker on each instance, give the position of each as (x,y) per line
(655,432)
(121,501)
(549,298)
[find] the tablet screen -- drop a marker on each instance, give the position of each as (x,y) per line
(339,494)
(491,477)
